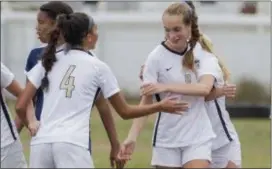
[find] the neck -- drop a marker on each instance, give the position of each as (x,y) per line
(80,47)
(180,49)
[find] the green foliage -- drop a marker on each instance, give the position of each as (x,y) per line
(251,91)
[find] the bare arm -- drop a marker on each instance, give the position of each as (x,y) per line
(24,104)
(107,119)
(138,124)
(214,94)
(15,89)
(132,111)
(202,88)
(30,116)
(126,111)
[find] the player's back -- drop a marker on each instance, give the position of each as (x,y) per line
(67,103)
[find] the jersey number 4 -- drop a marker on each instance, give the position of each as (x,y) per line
(68,81)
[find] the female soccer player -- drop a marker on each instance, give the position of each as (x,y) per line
(46,19)
(219,156)
(12,155)
(226,149)
(179,66)
(70,80)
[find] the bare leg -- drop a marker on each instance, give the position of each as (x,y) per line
(197,164)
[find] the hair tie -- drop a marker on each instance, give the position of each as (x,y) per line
(91,22)
(187,5)
(68,16)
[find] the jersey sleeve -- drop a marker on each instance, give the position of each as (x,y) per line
(36,74)
(150,72)
(6,76)
(208,66)
(30,61)
(33,58)
(107,81)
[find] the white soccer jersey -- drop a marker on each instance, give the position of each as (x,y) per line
(165,66)
(221,122)
(8,130)
(219,117)
(74,81)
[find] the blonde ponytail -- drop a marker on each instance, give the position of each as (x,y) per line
(208,46)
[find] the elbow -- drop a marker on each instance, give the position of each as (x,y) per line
(125,114)
(126,117)
(20,108)
(206,91)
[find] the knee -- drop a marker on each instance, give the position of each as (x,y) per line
(231,165)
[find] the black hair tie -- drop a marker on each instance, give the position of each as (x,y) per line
(68,16)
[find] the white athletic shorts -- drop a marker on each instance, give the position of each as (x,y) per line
(12,156)
(60,155)
(229,152)
(177,157)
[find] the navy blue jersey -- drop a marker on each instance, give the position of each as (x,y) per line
(32,60)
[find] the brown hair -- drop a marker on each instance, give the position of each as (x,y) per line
(189,18)
(208,46)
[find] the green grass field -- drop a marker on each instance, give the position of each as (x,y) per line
(254,136)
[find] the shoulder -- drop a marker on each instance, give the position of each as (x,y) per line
(201,54)
(92,53)
(98,63)
(37,50)
(204,57)
(4,68)
(92,62)
(6,76)
(35,53)
(156,54)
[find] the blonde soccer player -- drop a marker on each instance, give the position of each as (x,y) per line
(229,155)
(180,67)
(226,149)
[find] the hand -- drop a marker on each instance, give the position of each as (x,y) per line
(229,90)
(127,149)
(150,89)
(115,161)
(173,105)
(141,72)
(33,127)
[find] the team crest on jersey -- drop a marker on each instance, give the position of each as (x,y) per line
(197,63)
(188,78)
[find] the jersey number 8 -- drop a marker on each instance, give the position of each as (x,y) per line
(68,82)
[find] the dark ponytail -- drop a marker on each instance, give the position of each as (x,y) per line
(73,28)
(49,57)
